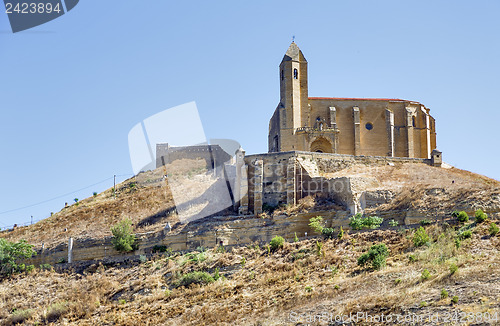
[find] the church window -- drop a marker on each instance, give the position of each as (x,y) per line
(295,73)
(282,75)
(369,126)
(414,122)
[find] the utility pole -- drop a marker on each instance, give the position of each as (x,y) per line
(114,185)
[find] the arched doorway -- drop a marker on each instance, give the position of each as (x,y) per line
(321,145)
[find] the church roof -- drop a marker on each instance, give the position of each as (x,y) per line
(294,54)
(359,99)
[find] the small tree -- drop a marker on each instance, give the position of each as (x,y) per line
(421,237)
(276,243)
(316,224)
(481,216)
(341,233)
(376,256)
(10,253)
(462,216)
(123,237)
(493,229)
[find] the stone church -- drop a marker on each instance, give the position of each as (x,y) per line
(355,126)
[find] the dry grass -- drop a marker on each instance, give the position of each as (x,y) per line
(259,288)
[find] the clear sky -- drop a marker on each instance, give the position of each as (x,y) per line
(72,89)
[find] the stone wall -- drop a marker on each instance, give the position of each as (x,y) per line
(284,178)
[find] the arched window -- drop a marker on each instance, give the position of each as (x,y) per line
(295,74)
(414,121)
(282,75)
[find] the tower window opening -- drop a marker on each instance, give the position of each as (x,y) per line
(295,73)
(282,75)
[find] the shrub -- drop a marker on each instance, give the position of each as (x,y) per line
(316,224)
(454,299)
(412,258)
(453,269)
(11,253)
(123,238)
(19,316)
(358,222)
(341,233)
(425,222)
(94,194)
(376,256)
(45,267)
(319,248)
(76,200)
(425,274)
(276,243)
(420,237)
(444,294)
(462,217)
(308,289)
(493,229)
(55,311)
(296,238)
(328,233)
(202,278)
(423,304)
(393,222)
(481,216)
(465,235)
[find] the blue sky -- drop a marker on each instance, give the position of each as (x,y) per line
(72,89)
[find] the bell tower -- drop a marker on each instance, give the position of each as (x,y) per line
(293,88)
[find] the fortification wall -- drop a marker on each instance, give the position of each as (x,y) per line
(284,178)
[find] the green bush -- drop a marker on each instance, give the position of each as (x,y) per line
(493,229)
(46,267)
(425,274)
(123,237)
(316,224)
(202,278)
(420,237)
(453,269)
(454,299)
(425,222)
(328,233)
(19,316)
(393,222)
(358,222)
(11,253)
(296,238)
(481,216)
(276,243)
(462,217)
(444,294)
(56,311)
(376,256)
(465,235)
(340,236)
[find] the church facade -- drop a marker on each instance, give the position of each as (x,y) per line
(355,126)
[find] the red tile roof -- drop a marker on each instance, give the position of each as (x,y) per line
(359,99)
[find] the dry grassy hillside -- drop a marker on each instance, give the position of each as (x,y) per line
(148,202)
(145,199)
(257,287)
